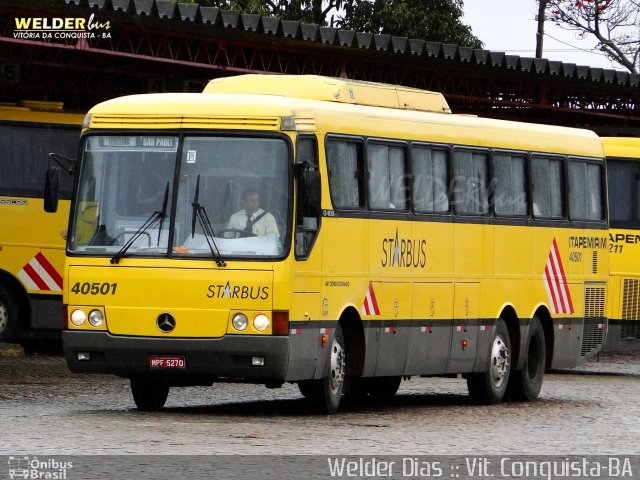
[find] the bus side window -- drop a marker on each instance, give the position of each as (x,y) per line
(548,187)
(585,185)
(306,227)
(387,177)
(346,173)
(430,179)
(510,184)
(470,179)
(624,194)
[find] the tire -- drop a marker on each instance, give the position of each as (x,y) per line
(490,387)
(525,384)
(8,315)
(325,394)
(149,394)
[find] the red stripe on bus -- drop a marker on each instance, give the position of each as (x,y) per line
(50,269)
(33,275)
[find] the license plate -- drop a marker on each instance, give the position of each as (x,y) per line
(167,361)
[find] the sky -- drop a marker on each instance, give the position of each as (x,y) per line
(510,26)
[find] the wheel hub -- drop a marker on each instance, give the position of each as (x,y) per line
(499,360)
(4,317)
(337,366)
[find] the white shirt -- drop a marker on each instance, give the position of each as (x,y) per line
(266,225)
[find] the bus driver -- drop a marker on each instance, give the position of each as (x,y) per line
(253,220)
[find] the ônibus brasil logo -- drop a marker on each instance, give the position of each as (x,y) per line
(33,467)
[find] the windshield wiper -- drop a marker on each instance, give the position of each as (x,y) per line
(200,213)
(158,215)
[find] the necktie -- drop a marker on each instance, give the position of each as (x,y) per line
(249,224)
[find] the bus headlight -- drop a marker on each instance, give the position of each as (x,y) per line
(96,318)
(261,322)
(240,321)
(78,317)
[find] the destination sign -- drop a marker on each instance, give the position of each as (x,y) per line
(120,142)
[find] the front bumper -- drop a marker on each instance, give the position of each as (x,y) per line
(206,359)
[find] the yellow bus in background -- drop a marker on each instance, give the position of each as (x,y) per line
(623,171)
(408,241)
(32,242)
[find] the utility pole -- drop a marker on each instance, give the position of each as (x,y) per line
(542,7)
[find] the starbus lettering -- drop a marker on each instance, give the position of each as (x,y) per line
(400,252)
(242,292)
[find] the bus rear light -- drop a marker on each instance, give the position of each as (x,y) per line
(280,320)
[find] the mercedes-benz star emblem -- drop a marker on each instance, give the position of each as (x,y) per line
(166,322)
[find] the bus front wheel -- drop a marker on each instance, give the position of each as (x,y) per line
(8,315)
(525,384)
(149,394)
(490,386)
(325,394)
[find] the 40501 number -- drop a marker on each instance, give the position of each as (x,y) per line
(94,288)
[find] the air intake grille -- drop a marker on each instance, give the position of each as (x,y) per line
(594,321)
(594,264)
(592,336)
(594,302)
(631,299)
(183,121)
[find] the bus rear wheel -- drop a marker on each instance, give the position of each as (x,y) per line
(525,384)
(8,315)
(489,387)
(149,394)
(325,394)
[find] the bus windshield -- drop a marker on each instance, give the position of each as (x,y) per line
(231,196)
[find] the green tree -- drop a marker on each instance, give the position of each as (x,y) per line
(311,11)
(432,20)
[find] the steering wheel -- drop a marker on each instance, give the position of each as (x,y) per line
(241,233)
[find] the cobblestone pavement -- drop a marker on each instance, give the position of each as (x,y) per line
(47,410)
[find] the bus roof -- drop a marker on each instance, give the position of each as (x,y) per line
(29,111)
(258,105)
(624,147)
(328,89)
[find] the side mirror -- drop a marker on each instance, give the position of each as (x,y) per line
(52,190)
(310,193)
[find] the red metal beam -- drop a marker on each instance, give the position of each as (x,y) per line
(469,88)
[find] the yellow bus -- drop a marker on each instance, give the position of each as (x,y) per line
(31,242)
(623,171)
(397,240)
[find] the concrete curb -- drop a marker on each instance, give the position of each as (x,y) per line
(11,350)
